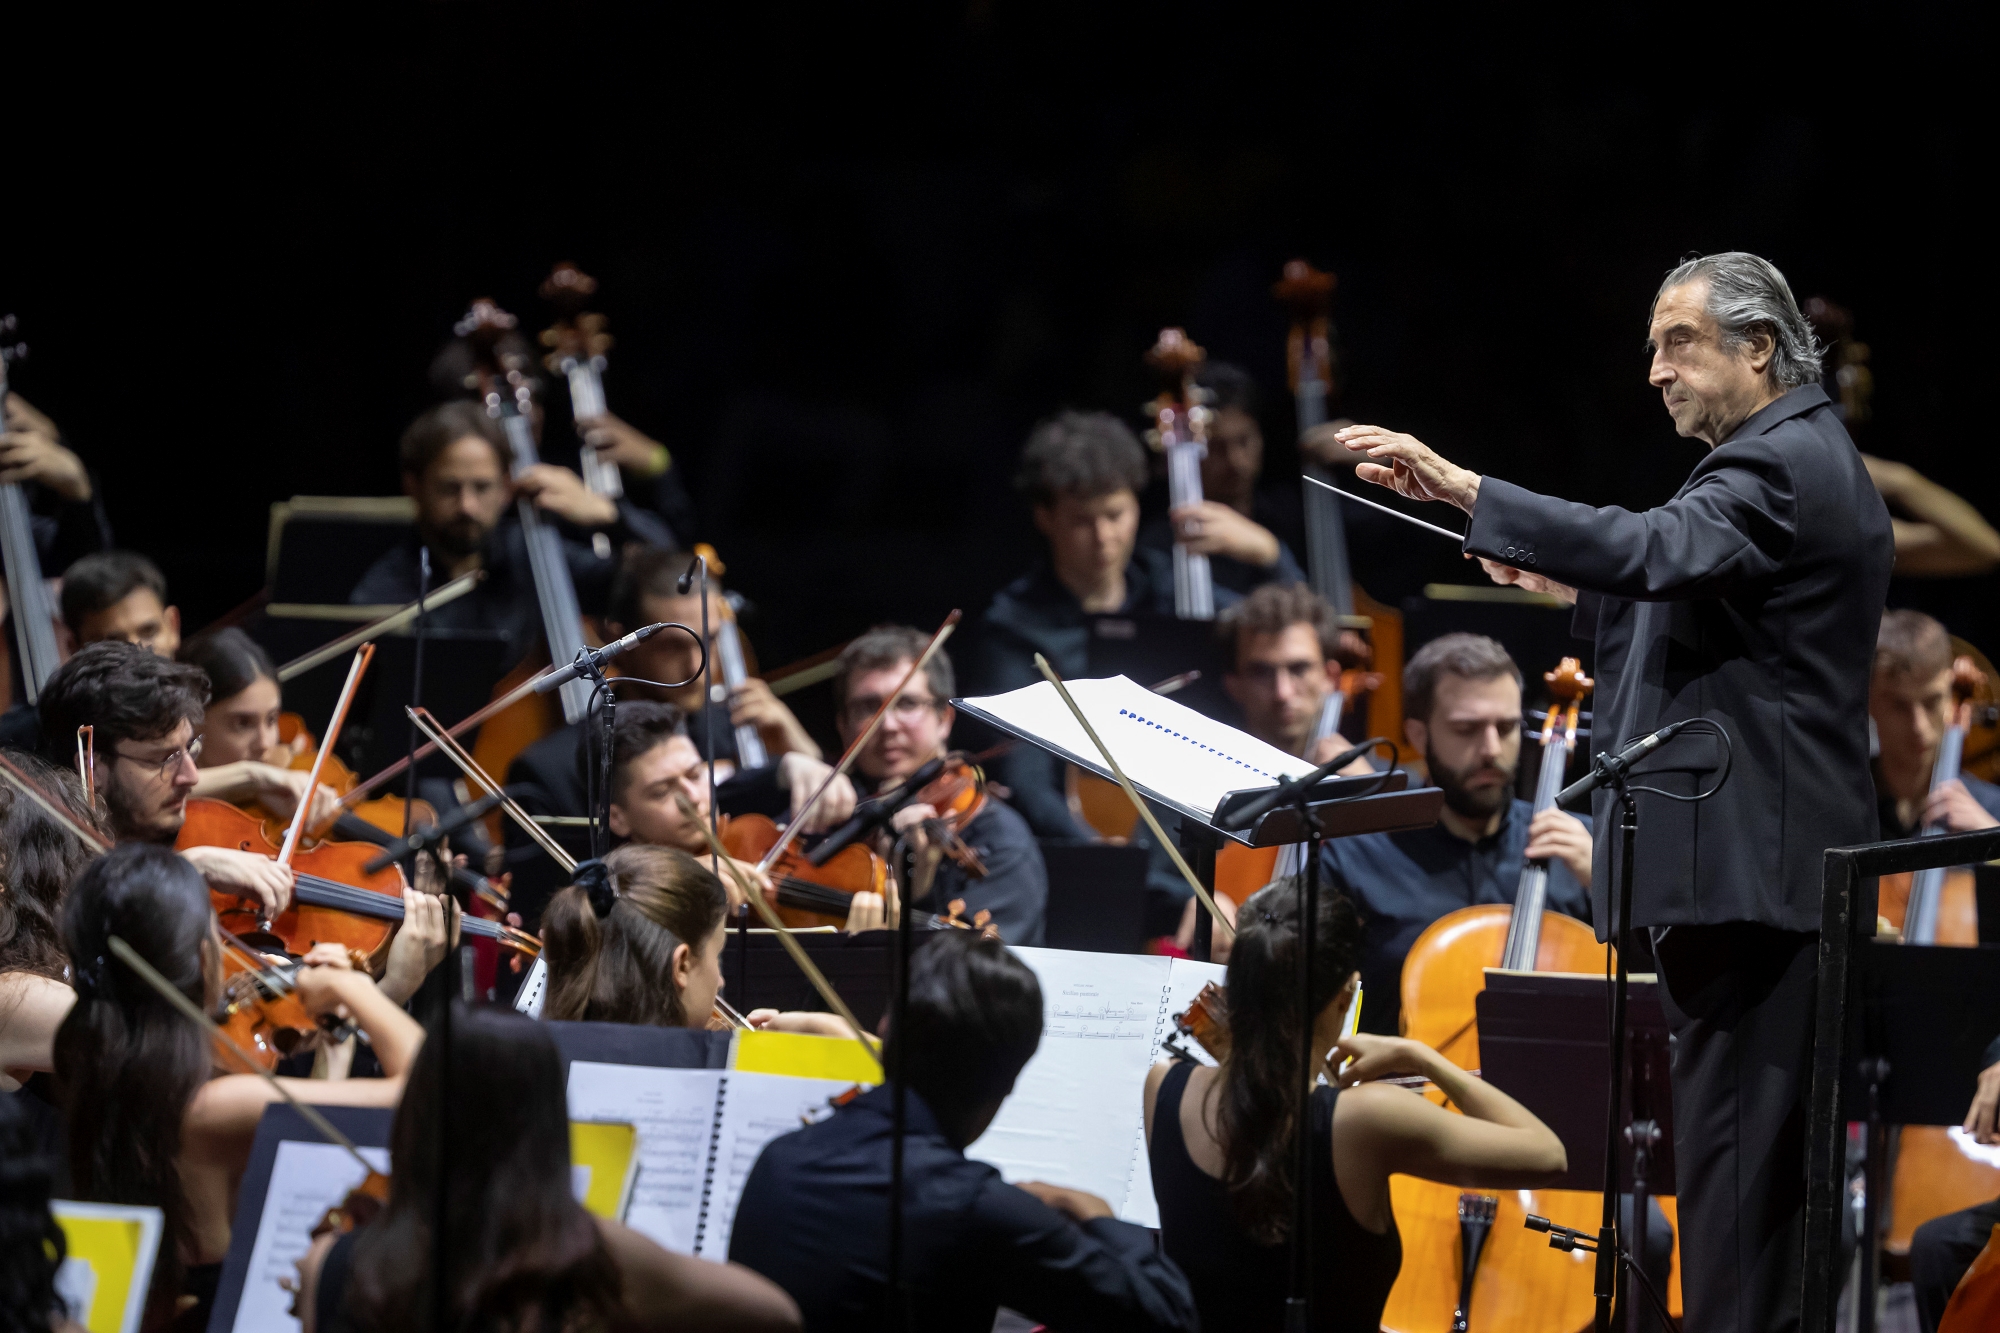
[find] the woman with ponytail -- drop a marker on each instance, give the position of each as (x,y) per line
(1222,1141)
(638,939)
(152,1113)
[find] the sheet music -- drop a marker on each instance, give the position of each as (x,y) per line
(306,1180)
(1185,978)
(674,1110)
(756,1108)
(1167,749)
(1069,1120)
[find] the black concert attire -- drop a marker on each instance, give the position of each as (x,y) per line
(1016,885)
(1240,1284)
(814,1219)
(1985,793)
(1402,882)
(1751,598)
(505,603)
(1157,534)
(1037,614)
(1944,1247)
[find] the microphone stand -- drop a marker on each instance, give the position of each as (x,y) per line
(1298,1302)
(899,1009)
(1608,1250)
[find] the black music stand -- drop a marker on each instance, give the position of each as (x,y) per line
(1847,930)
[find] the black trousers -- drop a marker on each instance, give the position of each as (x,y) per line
(1739,999)
(1940,1252)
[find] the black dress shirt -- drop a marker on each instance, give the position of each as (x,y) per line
(1402,882)
(1752,599)
(814,1219)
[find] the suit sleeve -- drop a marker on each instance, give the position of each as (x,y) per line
(1106,1275)
(1733,526)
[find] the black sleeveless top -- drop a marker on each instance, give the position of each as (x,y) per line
(1239,1284)
(331,1296)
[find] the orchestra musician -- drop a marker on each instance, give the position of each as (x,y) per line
(1081,473)
(1236,523)
(33,1248)
(456,466)
(1015,887)
(120,595)
(152,1114)
(1751,600)
(38,861)
(1910,703)
(1462,712)
(145,755)
(1222,1141)
(1944,1247)
(523,1253)
(813,1216)
(238,730)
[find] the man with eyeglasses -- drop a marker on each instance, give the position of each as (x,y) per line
(142,709)
(914,731)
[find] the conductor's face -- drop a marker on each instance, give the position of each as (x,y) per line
(1710,387)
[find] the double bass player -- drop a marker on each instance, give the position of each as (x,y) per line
(1750,599)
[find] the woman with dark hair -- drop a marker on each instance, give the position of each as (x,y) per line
(31,1244)
(38,860)
(638,939)
(1223,1141)
(519,1252)
(241,759)
(151,1118)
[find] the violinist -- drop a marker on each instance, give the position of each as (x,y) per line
(1015,887)
(638,939)
(814,1214)
(456,466)
(38,860)
(519,1251)
(1081,473)
(239,729)
(152,1112)
(1462,702)
(1910,703)
(1235,524)
(1221,1141)
(143,709)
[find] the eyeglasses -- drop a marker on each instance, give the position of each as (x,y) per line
(906,709)
(167,767)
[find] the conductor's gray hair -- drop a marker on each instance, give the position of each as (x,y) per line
(1745,291)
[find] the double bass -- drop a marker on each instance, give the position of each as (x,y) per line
(577,343)
(1933,1174)
(1180,432)
(28,599)
(1513,1281)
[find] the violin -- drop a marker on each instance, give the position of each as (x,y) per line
(1180,431)
(260,1010)
(1933,1175)
(807,895)
(1516,1282)
(958,794)
(34,611)
(391,814)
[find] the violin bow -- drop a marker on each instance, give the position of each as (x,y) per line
(355,671)
(375,629)
(854,750)
(1131,794)
(755,897)
(32,789)
(129,956)
(444,741)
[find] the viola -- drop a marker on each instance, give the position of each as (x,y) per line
(807,895)
(1517,1283)
(958,794)
(335,898)
(1933,1175)
(1180,431)
(260,1010)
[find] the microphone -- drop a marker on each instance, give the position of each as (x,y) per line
(686,580)
(588,663)
(1613,767)
(428,839)
(872,814)
(1284,792)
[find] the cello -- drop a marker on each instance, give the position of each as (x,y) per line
(1933,1173)
(1513,1280)
(28,597)
(1180,431)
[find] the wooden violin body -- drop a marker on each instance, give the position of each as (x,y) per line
(392,814)
(267,1020)
(807,895)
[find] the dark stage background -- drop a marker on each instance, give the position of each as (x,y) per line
(851,257)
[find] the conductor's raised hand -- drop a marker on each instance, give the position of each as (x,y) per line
(1408,466)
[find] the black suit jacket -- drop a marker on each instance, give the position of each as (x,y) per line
(1751,598)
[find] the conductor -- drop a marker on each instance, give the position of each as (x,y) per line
(1751,598)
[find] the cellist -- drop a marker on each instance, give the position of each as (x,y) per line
(1909,701)
(1462,693)
(456,466)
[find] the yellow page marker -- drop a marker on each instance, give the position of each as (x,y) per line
(609,1153)
(110,1262)
(802,1055)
